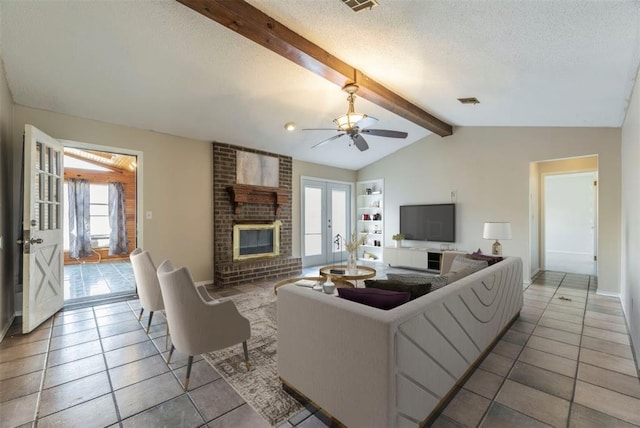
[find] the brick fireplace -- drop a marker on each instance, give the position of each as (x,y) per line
(236,206)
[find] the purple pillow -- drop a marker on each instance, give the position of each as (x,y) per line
(378,298)
(489,259)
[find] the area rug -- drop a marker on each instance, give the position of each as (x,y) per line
(260,387)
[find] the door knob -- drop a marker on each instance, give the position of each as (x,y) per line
(35,241)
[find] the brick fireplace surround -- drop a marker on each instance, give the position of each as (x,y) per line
(228,272)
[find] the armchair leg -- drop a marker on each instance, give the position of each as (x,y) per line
(186,382)
(170,354)
(140,316)
(149,323)
(246,355)
(166,339)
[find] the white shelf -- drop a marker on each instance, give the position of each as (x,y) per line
(370,201)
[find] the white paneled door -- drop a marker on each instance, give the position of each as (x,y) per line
(43,293)
(570,221)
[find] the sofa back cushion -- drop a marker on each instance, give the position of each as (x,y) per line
(462,263)
(377,298)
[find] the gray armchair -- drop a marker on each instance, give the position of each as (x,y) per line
(199,323)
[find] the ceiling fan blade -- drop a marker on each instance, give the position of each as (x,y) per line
(320,129)
(360,142)
(367,121)
(327,140)
(384,133)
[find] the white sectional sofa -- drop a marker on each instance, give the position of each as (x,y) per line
(369,367)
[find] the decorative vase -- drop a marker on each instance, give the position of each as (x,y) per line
(397,243)
(352,267)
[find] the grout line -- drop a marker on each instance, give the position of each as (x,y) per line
(106,368)
(504,379)
(575,376)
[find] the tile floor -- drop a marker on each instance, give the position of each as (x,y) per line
(84,281)
(566,362)
(563,363)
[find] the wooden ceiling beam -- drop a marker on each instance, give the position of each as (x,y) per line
(255,25)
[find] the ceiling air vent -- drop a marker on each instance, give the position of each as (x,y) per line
(472,100)
(358,5)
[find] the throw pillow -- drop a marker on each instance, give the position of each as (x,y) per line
(415,290)
(461,262)
(411,278)
(491,260)
(439,282)
(381,299)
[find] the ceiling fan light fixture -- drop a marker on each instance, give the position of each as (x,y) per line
(348,121)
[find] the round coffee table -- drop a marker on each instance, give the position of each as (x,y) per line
(340,282)
(362,272)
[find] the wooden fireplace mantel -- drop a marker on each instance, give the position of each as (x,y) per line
(247,194)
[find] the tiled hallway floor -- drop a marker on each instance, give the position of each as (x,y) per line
(563,363)
(83,281)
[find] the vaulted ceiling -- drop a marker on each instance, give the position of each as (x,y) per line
(160,65)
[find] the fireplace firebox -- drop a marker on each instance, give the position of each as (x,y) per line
(256,240)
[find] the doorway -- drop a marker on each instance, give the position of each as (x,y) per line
(326,213)
(570,221)
(96,256)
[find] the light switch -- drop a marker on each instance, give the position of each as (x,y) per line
(148,215)
(1,242)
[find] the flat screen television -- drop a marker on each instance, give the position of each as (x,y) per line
(434,222)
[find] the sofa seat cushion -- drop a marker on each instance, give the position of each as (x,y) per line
(411,278)
(453,276)
(377,298)
(436,281)
(415,290)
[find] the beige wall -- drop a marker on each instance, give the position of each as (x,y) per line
(7,290)
(312,170)
(177,183)
(630,292)
(489,170)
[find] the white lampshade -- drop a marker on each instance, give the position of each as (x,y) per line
(349,120)
(497,230)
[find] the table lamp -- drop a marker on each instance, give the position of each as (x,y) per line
(497,230)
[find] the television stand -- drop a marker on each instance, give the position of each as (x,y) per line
(424,259)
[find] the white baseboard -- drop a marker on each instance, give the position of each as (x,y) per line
(6,329)
(607,294)
(199,283)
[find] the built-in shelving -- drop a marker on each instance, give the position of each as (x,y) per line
(370,221)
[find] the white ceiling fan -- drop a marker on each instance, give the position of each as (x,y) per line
(354,124)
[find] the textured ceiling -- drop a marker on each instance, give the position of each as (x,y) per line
(159,65)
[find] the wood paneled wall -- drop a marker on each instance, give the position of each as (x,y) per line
(128,178)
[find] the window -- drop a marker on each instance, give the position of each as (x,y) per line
(99,215)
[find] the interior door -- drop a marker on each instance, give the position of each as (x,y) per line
(326,209)
(570,222)
(43,293)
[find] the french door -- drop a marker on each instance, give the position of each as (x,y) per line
(41,241)
(326,214)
